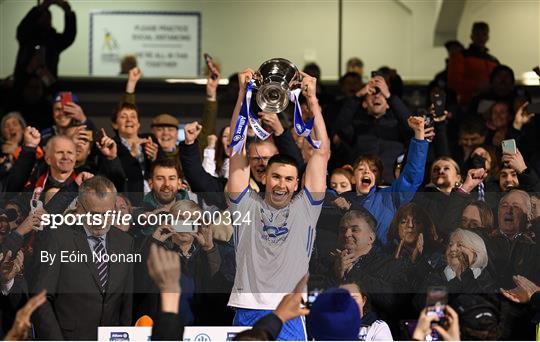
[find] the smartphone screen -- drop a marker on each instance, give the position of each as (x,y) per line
(533,107)
(99,136)
(186,227)
(312,297)
(210,64)
(509,146)
(181,134)
(408,327)
(66,98)
(436,300)
(439,103)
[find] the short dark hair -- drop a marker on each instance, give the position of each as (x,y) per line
(98,186)
(74,123)
(350,74)
(373,161)
(120,107)
(450,44)
(367,297)
(168,163)
(500,69)
(283,159)
(486,214)
(473,124)
(480,26)
(313,70)
(363,214)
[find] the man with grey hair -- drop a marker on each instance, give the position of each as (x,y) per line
(514,213)
(86,268)
(512,249)
(35,179)
(358,261)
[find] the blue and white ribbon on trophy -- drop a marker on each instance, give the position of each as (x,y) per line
(302,128)
(246,117)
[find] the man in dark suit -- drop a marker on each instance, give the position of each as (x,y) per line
(85,292)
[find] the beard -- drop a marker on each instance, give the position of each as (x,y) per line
(164,197)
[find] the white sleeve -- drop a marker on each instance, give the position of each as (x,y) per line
(311,208)
(243,201)
(379,331)
(243,208)
(5,288)
(225,168)
(209,161)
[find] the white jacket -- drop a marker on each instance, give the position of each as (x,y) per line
(377,331)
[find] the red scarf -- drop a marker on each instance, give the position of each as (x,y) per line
(39,186)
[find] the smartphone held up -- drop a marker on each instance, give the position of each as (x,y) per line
(436,301)
(211,66)
(509,146)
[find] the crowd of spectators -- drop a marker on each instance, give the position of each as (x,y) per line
(392,203)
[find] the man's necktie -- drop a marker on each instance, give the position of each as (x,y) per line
(101,265)
(481,192)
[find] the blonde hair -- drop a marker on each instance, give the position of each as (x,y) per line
(446,159)
(183,206)
(476,243)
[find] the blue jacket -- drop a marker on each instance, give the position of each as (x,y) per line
(383,203)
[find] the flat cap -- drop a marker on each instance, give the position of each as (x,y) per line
(164,120)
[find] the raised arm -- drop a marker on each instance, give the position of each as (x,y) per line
(22,169)
(210,110)
(239,165)
(316,166)
(404,188)
(66,38)
(134,75)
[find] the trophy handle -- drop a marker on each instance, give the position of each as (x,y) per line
(258,79)
(296,84)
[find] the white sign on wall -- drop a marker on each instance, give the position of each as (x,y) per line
(166,44)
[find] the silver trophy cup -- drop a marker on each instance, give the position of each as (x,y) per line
(273,81)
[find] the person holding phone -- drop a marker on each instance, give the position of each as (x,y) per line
(427,323)
(199,258)
(40,45)
(372,122)
(65,112)
(517,171)
(464,270)
(511,173)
